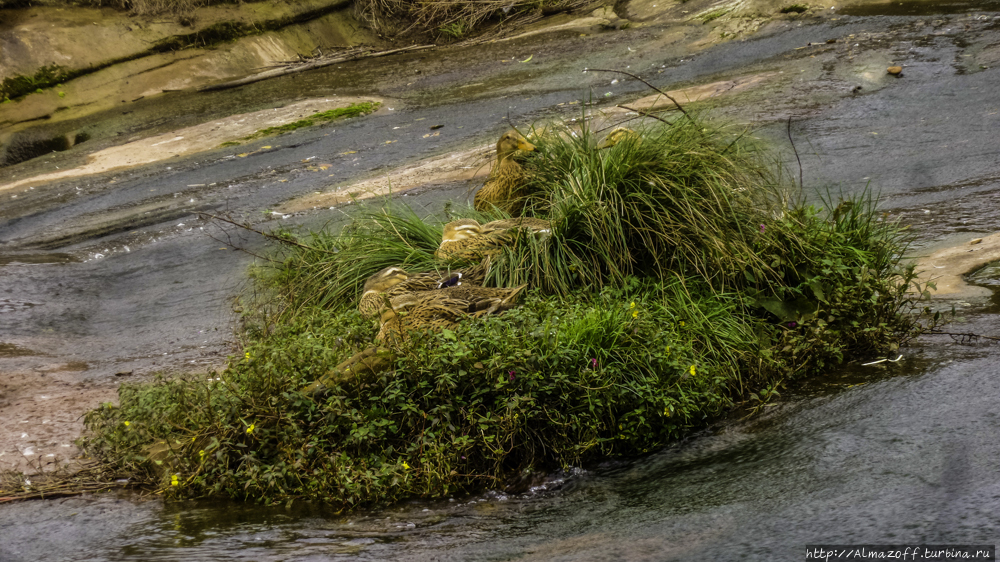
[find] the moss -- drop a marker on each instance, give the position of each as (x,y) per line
(353,110)
(46,76)
(714,15)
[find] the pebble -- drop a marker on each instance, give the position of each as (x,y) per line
(895,70)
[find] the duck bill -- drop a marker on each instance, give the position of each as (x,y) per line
(525,145)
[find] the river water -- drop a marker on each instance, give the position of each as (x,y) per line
(897,453)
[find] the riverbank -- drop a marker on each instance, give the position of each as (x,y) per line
(775,101)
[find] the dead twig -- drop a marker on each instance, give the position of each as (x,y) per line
(964,336)
(790,141)
(267,235)
(644,113)
(307,65)
(669,97)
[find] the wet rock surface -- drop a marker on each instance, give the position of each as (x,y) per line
(888,454)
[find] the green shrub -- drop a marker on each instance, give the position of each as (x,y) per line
(679,279)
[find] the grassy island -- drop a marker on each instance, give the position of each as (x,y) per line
(683,275)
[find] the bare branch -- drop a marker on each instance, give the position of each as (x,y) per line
(267,235)
(669,97)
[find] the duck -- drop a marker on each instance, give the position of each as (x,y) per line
(532,224)
(393,281)
(504,186)
(466,239)
(445,308)
(618,135)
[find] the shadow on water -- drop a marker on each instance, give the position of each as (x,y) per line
(920,8)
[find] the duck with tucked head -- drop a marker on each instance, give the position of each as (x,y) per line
(468,240)
(504,187)
(394,281)
(444,308)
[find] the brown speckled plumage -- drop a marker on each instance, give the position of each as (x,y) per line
(394,281)
(504,187)
(444,308)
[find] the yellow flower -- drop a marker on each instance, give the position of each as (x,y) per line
(631,306)
(681,323)
(692,370)
(635,314)
(201,454)
(406,466)
(250,429)
(173,481)
(247,356)
(666,412)
(128,423)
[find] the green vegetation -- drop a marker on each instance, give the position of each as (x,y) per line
(353,110)
(714,15)
(456,29)
(46,76)
(680,279)
(794,9)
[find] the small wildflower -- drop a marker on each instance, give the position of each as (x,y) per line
(406,466)
(250,429)
(128,423)
(635,314)
(792,324)
(762,227)
(511,373)
(692,370)
(631,306)
(202,454)
(666,412)
(681,323)
(247,355)
(463,457)
(593,363)
(174,481)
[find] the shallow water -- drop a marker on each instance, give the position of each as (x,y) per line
(901,452)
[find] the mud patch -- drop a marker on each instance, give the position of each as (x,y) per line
(11,350)
(918,8)
(946,268)
(41,414)
(35,259)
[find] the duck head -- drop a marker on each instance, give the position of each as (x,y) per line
(385,279)
(620,134)
(461,229)
(510,142)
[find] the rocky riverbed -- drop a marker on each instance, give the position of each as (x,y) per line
(109,275)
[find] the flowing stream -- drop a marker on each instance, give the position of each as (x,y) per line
(897,453)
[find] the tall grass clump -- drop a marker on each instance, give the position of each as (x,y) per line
(682,275)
